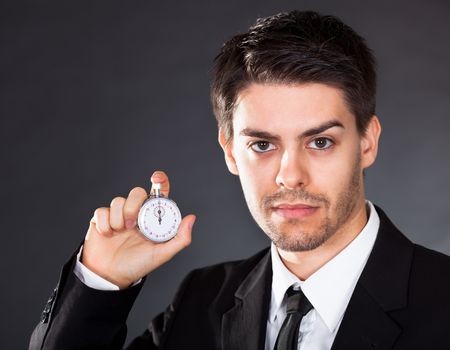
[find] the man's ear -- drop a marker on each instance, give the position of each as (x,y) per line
(369,142)
(228,151)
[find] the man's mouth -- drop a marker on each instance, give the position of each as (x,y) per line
(294,210)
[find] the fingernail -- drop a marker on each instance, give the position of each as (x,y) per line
(129,223)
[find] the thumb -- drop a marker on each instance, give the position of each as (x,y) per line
(180,241)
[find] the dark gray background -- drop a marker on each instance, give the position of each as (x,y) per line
(95,96)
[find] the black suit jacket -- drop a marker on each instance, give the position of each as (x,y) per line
(401,301)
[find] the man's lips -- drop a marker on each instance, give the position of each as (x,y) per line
(293,206)
(294,211)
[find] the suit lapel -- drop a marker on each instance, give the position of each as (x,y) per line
(382,288)
(365,325)
(244,325)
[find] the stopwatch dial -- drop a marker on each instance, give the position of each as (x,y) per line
(159,219)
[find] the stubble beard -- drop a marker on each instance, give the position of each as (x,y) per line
(302,240)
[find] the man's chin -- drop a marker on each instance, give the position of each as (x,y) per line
(292,245)
(296,239)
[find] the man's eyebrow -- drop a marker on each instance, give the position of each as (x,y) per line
(259,134)
(310,132)
(321,128)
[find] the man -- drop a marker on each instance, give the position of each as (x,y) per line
(295,103)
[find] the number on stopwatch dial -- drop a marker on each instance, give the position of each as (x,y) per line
(159,218)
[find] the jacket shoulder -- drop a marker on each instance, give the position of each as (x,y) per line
(430,267)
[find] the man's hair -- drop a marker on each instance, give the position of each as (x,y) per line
(295,48)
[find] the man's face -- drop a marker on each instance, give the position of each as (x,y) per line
(299,158)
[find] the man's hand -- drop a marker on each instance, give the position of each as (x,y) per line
(115,249)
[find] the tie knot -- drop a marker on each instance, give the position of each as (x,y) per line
(297,302)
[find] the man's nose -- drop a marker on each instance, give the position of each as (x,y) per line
(293,171)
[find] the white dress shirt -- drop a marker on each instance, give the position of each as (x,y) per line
(328,289)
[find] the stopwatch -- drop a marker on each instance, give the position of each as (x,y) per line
(159,217)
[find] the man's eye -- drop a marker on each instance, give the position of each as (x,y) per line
(321,143)
(262,146)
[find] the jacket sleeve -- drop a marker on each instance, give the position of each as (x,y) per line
(79,317)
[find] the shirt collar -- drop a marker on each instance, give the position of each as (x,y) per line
(329,289)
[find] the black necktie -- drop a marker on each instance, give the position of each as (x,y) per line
(298,306)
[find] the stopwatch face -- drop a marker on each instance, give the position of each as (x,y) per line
(158,219)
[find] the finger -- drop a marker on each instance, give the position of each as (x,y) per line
(133,203)
(101,219)
(161,178)
(181,240)
(116,220)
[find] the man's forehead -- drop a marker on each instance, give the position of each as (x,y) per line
(283,108)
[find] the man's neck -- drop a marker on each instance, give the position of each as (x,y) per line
(304,264)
